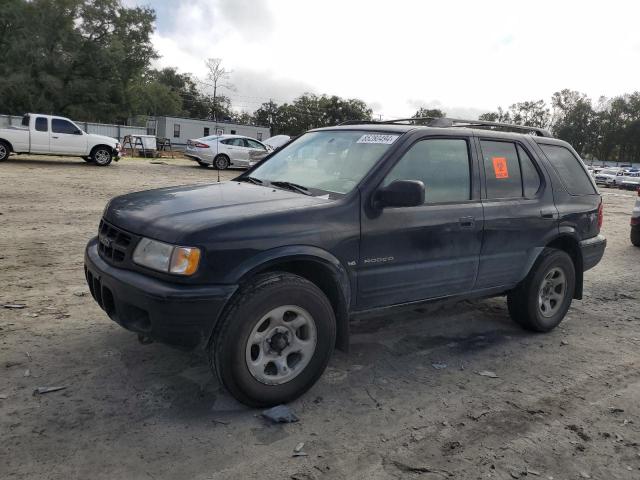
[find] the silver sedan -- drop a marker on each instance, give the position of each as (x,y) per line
(224,151)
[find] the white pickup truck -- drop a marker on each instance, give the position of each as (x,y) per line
(50,135)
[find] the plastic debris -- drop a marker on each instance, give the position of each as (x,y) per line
(14,305)
(280,414)
(43,390)
(439,366)
(487,373)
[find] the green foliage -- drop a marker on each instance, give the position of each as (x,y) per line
(429,112)
(78,58)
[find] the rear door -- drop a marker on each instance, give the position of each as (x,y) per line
(414,253)
(40,135)
(66,138)
(519,212)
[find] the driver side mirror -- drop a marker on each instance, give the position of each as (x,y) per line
(401,193)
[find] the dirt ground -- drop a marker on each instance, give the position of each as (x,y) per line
(406,402)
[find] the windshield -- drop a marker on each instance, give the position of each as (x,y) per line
(331,161)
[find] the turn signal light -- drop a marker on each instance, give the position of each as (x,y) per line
(184,260)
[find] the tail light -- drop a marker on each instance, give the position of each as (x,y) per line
(201,145)
(600,215)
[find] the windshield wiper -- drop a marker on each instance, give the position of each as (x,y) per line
(254,180)
(292,186)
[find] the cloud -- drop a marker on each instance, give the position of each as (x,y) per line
(453,111)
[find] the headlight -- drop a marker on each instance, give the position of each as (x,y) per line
(166,258)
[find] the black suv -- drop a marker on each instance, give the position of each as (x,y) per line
(265,271)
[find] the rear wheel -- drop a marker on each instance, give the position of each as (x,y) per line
(542,300)
(221,162)
(4,151)
(635,237)
(102,156)
(275,340)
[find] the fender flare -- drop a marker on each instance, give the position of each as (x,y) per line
(270,259)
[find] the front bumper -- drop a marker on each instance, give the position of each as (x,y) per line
(592,251)
(180,315)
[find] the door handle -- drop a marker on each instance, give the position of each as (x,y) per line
(547,213)
(467,222)
(54,137)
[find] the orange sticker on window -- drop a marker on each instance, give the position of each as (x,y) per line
(500,167)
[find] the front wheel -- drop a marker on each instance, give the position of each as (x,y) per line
(274,341)
(101,156)
(543,298)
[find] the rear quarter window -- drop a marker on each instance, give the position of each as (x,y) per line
(569,169)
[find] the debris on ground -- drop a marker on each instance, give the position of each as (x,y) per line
(15,306)
(80,293)
(27,373)
(585,475)
(564,343)
(297,452)
(477,415)
(487,373)
(439,366)
(43,390)
(280,414)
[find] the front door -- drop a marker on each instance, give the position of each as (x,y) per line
(415,253)
(66,138)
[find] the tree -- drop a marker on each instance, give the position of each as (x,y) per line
(429,112)
(79,58)
(500,116)
(219,78)
(573,119)
(530,113)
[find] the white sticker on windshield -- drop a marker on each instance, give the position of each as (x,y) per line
(377,138)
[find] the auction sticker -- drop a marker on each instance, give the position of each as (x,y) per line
(377,138)
(500,167)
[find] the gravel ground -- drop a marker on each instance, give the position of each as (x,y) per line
(406,402)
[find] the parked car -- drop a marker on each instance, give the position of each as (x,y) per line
(629,180)
(277,141)
(265,271)
(635,222)
(609,177)
(51,135)
(224,151)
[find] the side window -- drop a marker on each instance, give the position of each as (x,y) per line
(25,120)
(206,131)
(502,169)
(254,144)
(63,126)
(570,169)
(238,142)
(530,176)
(442,164)
(41,124)
(176,130)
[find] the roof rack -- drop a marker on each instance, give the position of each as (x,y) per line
(444,122)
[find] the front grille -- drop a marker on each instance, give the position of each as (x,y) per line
(114,244)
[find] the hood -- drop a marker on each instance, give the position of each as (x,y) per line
(170,214)
(103,139)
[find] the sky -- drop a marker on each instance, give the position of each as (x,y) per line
(465,57)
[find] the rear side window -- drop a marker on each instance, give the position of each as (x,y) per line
(41,124)
(530,175)
(569,168)
(25,121)
(502,169)
(509,170)
(442,164)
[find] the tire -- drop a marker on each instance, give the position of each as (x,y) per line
(5,151)
(221,162)
(263,310)
(538,305)
(203,165)
(635,237)
(101,155)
